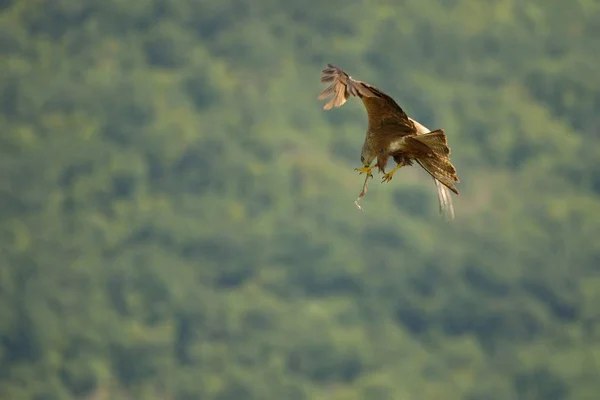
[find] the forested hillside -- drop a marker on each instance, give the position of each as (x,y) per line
(177,217)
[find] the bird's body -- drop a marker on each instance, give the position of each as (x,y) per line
(390,132)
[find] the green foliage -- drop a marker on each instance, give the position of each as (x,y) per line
(177,216)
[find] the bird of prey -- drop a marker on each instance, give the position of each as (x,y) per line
(391,133)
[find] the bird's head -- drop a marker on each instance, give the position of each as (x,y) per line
(367,155)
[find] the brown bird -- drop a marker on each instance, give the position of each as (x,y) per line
(391,133)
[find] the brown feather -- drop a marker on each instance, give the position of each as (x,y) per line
(390,132)
(382,110)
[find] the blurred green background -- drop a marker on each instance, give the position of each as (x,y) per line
(177,217)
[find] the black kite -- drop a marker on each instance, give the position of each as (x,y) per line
(391,133)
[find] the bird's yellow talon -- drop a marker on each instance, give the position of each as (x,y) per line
(365,170)
(388,177)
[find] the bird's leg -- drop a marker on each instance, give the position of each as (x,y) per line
(365,170)
(388,177)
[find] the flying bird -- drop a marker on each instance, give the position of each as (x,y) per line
(391,133)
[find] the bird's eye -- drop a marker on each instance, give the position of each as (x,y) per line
(362,159)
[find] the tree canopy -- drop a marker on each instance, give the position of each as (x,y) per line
(177,217)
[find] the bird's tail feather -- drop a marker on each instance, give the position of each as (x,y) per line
(445,201)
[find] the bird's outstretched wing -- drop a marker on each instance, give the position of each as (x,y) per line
(444,198)
(380,107)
